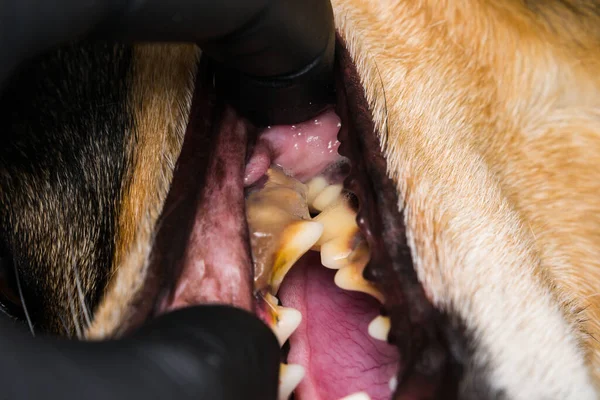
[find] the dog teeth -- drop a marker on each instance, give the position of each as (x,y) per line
(357,396)
(282,231)
(289,378)
(297,239)
(379,328)
(351,278)
(315,187)
(327,197)
(287,321)
(334,254)
(280,228)
(339,221)
(341,235)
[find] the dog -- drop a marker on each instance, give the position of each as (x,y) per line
(473,130)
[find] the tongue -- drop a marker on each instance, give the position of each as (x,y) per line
(332,342)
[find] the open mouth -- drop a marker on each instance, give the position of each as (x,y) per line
(300,224)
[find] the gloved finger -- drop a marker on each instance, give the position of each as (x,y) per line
(204,352)
(278,51)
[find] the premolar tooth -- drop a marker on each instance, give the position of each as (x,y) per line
(350,278)
(296,240)
(379,328)
(286,323)
(314,187)
(357,396)
(289,377)
(327,197)
(339,221)
(341,236)
(334,254)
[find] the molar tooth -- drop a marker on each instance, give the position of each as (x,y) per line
(289,377)
(327,197)
(287,321)
(379,328)
(314,187)
(296,240)
(357,396)
(350,278)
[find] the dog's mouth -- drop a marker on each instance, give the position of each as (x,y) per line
(299,224)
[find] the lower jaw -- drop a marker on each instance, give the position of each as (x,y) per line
(203,238)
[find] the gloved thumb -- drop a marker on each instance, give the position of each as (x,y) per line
(203,352)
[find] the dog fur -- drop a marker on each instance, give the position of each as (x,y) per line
(489,118)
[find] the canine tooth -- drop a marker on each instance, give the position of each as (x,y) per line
(279,226)
(287,322)
(327,197)
(357,396)
(379,328)
(289,377)
(296,240)
(350,278)
(314,187)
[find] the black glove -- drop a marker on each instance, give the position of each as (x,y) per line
(276,56)
(208,352)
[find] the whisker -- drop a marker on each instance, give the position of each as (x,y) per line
(23,303)
(66,328)
(86,312)
(74,315)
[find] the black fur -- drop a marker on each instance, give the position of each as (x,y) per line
(65,122)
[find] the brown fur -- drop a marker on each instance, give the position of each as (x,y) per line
(160,114)
(488,113)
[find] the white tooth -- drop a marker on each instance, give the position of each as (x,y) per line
(289,377)
(357,396)
(297,239)
(393,384)
(334,254)
(350,278)
(327,197)
(287,322)
(315,186)
(379,328)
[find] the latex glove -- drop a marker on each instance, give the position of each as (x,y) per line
(206,352)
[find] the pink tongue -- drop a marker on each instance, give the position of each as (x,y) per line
(332,342)
(303,150)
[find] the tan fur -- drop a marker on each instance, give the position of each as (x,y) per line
(161,99)
(491,124)
(489,115)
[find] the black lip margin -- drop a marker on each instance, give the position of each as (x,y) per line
(428,368)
